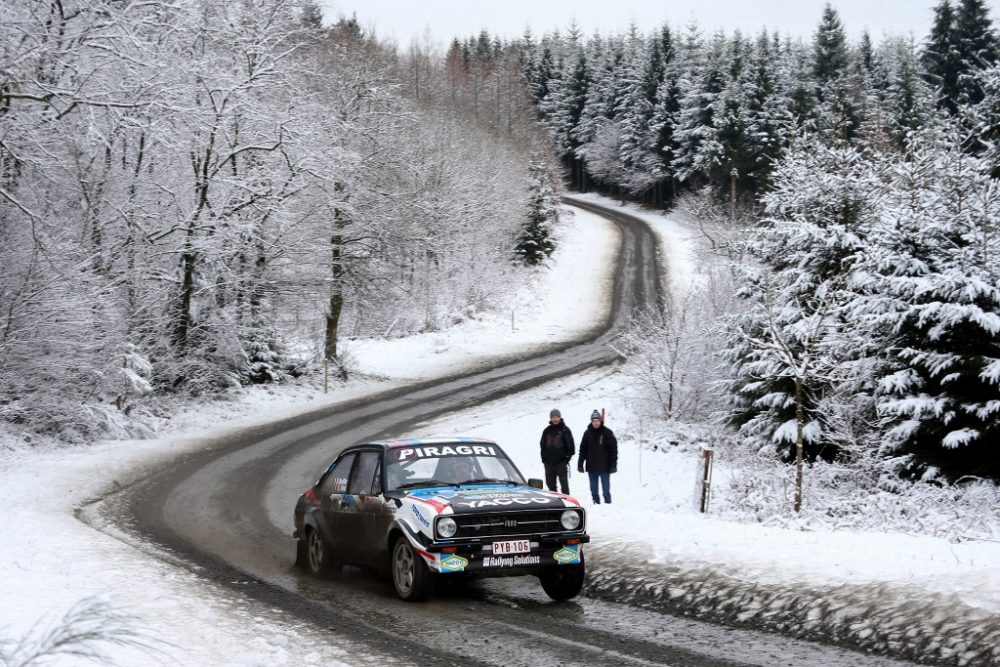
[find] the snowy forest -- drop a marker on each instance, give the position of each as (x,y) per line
(196,196)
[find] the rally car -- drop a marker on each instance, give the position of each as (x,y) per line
(423,510)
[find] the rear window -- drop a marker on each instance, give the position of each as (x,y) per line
(364,474)
(336,479)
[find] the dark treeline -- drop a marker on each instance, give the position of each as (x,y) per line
(650,114)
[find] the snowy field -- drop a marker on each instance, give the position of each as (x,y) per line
(50,561)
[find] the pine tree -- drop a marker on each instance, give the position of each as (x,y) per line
(930,286)
(829,48)
(534,243)
(941,59)
(666,107)
(962,41)
(818,214)
(976,45)
(698,151)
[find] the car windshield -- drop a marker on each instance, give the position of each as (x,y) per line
(448,464)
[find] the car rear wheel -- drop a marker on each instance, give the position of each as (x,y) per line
(563,582)
(410,575)
(301,553)
(319,559)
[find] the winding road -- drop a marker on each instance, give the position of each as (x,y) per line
(225,513)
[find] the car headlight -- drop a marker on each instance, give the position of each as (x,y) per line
(570,520)
(447,527)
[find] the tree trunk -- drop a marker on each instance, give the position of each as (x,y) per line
(336,305)
(182,326)
(799,437)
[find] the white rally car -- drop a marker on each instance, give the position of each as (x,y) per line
(432,508)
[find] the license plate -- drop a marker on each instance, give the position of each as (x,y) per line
(511,547)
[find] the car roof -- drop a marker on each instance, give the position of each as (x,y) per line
(416,442)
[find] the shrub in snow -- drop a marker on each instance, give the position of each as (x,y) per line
(534,241)
(262,357)
(86,632)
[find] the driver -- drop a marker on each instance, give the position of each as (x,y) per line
(455,469)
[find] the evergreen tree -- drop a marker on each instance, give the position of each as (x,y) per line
(976,44)
(534,242)
(930,285)
(818,214)
(698,151)
(829,48)
(941,59)
(962,41)
(666,107)
(562,110)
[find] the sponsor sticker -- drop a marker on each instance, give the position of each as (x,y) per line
(503,502)
(568,555)
(411,453)
(420,517)
(453,563)
(511,561)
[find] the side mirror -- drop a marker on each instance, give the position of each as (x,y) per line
(535,483)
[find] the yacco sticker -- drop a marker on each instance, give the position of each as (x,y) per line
(410,453)
(568,555)
(499,502)
(453,563)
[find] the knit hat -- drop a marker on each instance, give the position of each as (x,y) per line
(555,413)
(596,414)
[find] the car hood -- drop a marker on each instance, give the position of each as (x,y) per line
(489,498)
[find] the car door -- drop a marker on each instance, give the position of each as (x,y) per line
(333,489)
(358,507)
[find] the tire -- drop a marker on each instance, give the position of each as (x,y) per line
(301,553)
(563,582)
(411,578)
(319,559)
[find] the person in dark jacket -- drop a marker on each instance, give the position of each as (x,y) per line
(599,454)
(557,449)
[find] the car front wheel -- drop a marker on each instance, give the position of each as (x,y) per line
(319,558)
(563,582)
(410,575)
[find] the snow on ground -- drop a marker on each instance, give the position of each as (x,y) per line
(563,301)
(50,561)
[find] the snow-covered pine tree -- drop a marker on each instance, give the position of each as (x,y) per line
(930,285)
(976,47)
(791,344)
(534,243)
(666,106)
(941,61)
(562,109)
(698,149)
(962,40)
(830,55)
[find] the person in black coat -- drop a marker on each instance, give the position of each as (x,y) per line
(599,454)
(557,449)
